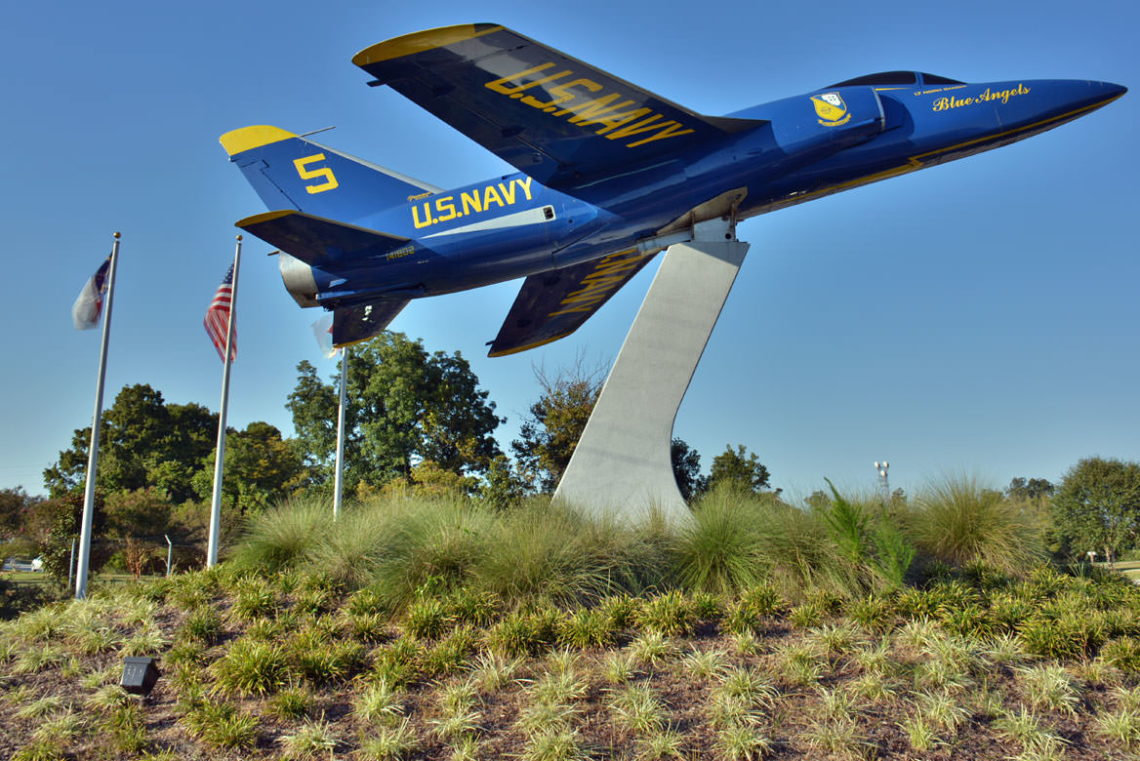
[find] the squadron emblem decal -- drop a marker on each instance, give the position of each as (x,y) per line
(831,109)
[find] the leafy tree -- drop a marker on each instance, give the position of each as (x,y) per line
(547,437)
(503,485)
(687,470)
(739,469)
(66,517)
(261,469)
(137,523)
(144,442)
(404,406)
(1033,489)
(1097,507)
(15,505)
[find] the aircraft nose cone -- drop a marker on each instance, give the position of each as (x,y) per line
(1068,95)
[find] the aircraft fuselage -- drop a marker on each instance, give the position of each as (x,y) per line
(813,145)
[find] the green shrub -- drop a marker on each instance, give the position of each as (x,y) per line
(671,614)
(1123,653)
(223,726)
(291,704)
(1065,637)
(450,654)
(396,663)
(203,625)
(587,627)
(764,600)
(524,633)
(254,599)
(252,667)
(741,617)
(427,618)
(873,613)
(318,658)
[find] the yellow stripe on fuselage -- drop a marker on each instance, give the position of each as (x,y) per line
(248,138)
(418,42)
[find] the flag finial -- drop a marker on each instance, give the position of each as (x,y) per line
(118,235)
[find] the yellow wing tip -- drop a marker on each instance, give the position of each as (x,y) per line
(247,138)
(527,347)
(265,216)
(417,42)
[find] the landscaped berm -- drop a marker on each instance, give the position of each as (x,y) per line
(414,629)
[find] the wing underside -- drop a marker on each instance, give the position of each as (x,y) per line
(558,119)
(552,305)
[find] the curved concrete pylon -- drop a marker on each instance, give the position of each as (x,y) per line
(622,463)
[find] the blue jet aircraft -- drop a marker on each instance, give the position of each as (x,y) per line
(609,174)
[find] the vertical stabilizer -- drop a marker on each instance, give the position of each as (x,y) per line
(288,171)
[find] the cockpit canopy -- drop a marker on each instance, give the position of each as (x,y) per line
(898,78)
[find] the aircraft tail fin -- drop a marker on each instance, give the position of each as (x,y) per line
(289,171)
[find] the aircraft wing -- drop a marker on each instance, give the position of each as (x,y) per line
(552,305)
(553,117)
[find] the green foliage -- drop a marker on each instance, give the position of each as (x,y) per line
(403,405)
(550,433)
(282,538)
(958,523)
(252,667)
(144,442)
(222,725)
(738,470)
(15,510)
(261,469)
(686,463)
(1033,489)
(1097,507)
(1123,653)
(720,549)
(587,627)
(671,614)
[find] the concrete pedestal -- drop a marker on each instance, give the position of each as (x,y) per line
(622,463)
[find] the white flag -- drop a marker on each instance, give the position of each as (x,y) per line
(322,329)
(88,307)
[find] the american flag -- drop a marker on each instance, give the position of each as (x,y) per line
(218,317)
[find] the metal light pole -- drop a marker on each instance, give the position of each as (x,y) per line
(884,484)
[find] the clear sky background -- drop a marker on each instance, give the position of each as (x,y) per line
(980,317)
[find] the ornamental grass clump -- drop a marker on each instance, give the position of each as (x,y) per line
(282,538)
(958,522)
(720,549)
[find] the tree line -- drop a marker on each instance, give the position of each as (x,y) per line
(416,423)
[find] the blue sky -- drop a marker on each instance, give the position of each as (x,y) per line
(980,317)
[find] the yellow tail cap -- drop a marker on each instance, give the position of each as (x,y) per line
(248,138)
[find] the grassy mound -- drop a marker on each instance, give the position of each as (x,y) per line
(434,630)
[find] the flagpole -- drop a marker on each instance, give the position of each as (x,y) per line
(220,454)
(338,482)
(93,452)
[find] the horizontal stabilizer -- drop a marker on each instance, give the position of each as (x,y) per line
(554,304)
(363,321)
(319,241)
